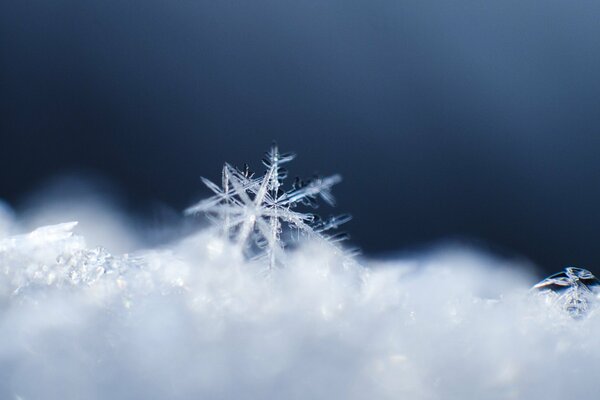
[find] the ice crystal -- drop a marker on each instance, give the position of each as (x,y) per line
(52,256)
(574,290)
(254,211)
(40,238)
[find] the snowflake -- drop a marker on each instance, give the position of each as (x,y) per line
(574,289)
(254,211)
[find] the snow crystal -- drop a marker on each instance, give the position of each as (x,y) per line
(574,290)
(252,209)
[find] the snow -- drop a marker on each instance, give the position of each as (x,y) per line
(201,317)
(195,319)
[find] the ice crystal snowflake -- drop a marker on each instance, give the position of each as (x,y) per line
(575,290)
(254,211)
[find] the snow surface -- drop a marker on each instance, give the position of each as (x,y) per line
(194,320)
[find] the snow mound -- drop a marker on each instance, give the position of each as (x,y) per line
(197,320)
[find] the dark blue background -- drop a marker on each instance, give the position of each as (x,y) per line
(470,119)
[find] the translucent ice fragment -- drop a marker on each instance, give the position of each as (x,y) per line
(574,290)
(52,233)
(43,236)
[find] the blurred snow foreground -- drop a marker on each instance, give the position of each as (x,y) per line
(201,319)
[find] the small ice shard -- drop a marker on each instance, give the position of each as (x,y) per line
(40,237)
(53,233)
(574,290)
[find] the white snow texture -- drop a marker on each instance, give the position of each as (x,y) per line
(195,320)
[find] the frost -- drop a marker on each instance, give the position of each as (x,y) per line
(252,210)
(54,257)
(28,259)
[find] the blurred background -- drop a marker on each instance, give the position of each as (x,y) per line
(471,121)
